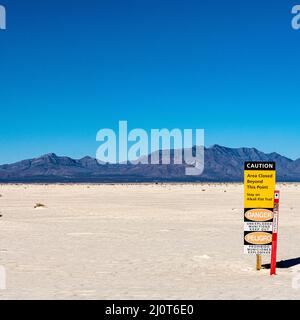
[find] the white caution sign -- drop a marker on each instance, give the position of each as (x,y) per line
(259,186)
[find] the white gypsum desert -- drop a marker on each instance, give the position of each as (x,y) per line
(169,241)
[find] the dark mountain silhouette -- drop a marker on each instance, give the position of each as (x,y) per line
(221,164)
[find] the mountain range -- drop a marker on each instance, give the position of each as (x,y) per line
(222,164)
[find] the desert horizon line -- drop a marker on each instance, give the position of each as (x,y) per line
(146,155)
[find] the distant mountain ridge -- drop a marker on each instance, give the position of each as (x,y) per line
(222,164)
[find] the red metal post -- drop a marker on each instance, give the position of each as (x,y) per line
(275,233)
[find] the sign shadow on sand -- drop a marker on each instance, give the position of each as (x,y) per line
(284,264)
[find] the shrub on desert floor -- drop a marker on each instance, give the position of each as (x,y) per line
(39,205)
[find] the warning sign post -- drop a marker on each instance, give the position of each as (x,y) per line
(259,187)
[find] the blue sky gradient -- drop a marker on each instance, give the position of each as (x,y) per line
(70,68)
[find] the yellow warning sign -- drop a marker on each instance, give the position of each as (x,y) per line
(259,184)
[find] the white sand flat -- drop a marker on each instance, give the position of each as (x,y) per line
(139,241)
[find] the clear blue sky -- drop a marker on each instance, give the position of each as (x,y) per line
(69,68)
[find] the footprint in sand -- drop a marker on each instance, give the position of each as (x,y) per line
(248,269)
(201,258)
